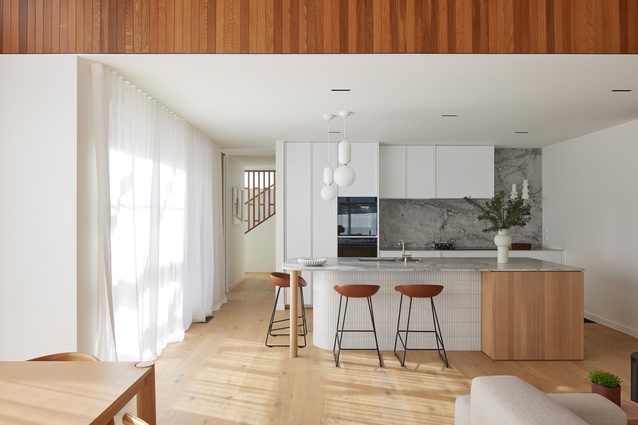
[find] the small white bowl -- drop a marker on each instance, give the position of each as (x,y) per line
(312,261)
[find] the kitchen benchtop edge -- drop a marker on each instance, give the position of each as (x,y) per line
(422,248)
(434,264)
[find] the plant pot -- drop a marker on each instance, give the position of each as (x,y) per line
(503,241)
(612,394)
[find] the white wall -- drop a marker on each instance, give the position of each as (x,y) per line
(255,250)
(590,210)
(87,294)
(235,272)
(260,242)
(260,247)
(38,124)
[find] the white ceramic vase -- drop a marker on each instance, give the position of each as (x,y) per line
(503,242)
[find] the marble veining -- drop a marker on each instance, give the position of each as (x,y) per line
(345,264)
(424,222)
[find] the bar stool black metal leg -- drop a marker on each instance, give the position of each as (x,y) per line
(402,335)
(438,334)
(398,335)
(355,291)
(272,318)
(374,331)
(339,332)
(304,326)
(272,330)
(404,342)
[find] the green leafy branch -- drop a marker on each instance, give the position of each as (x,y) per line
(502,212)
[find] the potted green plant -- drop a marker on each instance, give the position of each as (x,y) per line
(502,213)
(606,384)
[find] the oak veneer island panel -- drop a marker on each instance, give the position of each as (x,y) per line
(532,315)
(525,309)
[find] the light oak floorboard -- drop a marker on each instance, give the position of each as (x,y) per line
(222,373)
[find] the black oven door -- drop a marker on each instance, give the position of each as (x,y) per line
(357,216)
(357,247)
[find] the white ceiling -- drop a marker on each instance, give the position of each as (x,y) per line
(247,102)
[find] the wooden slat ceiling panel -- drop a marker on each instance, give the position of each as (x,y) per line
(319,26)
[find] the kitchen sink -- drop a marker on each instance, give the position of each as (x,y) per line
(409,259)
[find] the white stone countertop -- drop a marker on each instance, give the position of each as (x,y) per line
(429,248)
(433,264)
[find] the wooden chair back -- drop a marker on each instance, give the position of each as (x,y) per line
(131,419)
(67,357)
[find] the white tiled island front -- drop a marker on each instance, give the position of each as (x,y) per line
(525,309)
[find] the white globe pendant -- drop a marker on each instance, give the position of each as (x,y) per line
(328,174)
(344,152)
(344,176)
(328,192)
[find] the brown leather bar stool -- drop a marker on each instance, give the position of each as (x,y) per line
(282,280)
(354,291)
(419,291)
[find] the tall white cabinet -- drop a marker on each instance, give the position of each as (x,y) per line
(298,200)
(323,214)
(310,223)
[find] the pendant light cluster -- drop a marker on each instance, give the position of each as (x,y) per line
(344,175)
(328,191)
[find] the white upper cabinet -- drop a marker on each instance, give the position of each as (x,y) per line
(392,171)
(365,163)
(419,172)
(464,171)
(406,172)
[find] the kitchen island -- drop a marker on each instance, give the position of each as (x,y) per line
(526,309)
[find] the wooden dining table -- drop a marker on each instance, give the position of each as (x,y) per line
(74,392)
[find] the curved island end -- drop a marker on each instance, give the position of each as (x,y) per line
(526,309)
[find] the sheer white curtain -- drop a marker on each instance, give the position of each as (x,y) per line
(165,222)
(105,340)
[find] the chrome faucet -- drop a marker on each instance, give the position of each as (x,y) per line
(404,255)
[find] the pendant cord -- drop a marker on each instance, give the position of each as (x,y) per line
(329,156)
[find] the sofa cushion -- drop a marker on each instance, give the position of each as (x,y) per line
(508,400)
(462,410)
(592,408)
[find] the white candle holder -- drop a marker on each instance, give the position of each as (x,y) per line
(525,194)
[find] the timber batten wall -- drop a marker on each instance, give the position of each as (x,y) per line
(318,26)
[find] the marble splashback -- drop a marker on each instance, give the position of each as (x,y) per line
(423,222)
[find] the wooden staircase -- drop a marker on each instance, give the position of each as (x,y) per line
(260,191)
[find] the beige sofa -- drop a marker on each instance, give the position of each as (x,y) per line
(510,400)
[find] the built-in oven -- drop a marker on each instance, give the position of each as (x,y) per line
(357,247)
(357,226)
